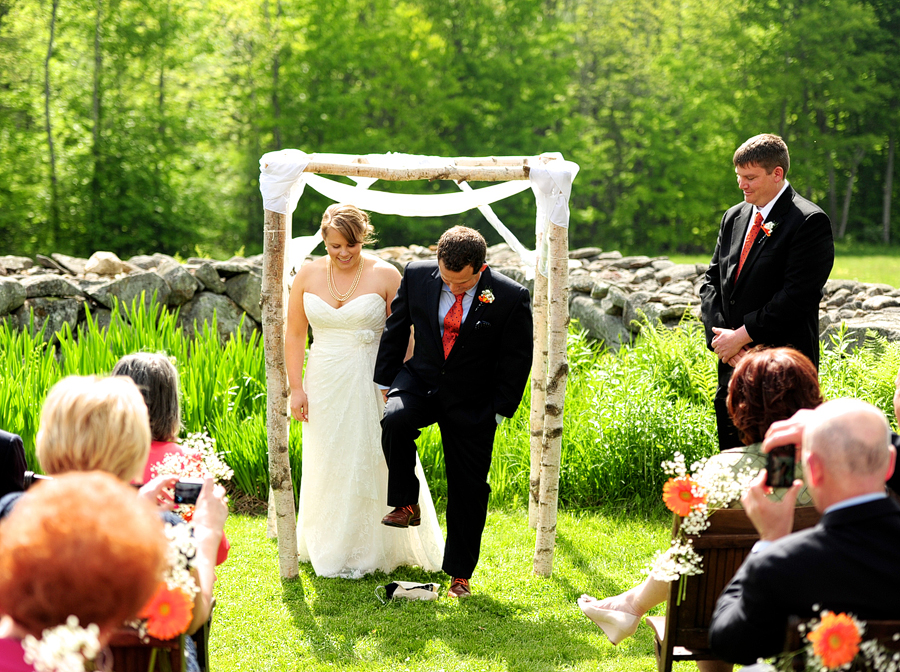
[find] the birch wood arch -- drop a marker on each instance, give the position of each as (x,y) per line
(283,176)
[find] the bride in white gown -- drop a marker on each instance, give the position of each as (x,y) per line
(346,297)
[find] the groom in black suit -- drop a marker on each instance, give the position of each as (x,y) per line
(473,345)
(846,563)
(774,253)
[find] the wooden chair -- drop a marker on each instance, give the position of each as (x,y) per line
(683,633)
(883,631)
(131,654)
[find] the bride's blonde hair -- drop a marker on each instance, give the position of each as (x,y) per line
(349,221)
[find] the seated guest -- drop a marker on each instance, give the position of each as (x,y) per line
(12,463)
(66,550)
(90,423)
(157,379)
(767,385)
(846,563)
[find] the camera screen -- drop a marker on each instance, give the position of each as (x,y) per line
(187,492)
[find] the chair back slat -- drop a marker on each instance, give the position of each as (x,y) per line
(131,654)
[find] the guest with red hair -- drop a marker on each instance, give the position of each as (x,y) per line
(81,544)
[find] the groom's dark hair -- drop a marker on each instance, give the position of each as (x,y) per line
(460,247)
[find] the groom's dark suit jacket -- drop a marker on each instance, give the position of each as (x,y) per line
(12,463)
(488,367)
(778,292)
(846,563)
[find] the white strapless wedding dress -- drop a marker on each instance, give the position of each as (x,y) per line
(343,487)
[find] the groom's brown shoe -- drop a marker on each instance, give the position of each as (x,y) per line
(403,516)
(459,588)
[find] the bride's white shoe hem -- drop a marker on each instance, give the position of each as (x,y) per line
(616,625)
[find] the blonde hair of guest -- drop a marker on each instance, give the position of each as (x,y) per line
(90,423)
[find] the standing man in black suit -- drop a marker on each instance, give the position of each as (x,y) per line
(774,253)
(473,345)
(846,563)
(12,463)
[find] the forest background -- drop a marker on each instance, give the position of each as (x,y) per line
(137,126)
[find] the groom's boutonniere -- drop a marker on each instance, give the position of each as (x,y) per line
(486,296)
(769,227)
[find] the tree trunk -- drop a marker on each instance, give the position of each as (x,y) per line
(888,188)
(558,369)
(277,391)
(54,182)
(276,71)
(538,388)
(96,153)
(832,197)
(858,155)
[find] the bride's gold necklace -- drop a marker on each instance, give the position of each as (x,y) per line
(332,289)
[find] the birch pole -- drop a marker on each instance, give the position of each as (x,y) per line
(558,369)
(538,389)
(277,391)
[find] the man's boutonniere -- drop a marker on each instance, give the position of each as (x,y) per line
(486,296)
(769,227)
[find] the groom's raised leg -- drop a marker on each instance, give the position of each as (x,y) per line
(467,455)
(404,415)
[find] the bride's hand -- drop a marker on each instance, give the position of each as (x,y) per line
(299,405)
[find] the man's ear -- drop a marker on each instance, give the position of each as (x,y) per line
(815,471)
(892,463)
(779,173)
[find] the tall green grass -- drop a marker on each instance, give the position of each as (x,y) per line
(626,412)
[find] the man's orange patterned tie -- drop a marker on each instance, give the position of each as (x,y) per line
(452,322)
(754,231)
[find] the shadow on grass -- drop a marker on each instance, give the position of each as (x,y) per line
(343,622)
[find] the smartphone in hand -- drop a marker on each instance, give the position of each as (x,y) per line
(780,466)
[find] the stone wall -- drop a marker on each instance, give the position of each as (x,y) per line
(59,288)
(609,294)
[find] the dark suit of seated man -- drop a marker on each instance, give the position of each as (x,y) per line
(846,563)
(12,463)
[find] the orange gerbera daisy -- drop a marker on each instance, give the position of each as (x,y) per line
(168,612)
(679,497)
(835,640)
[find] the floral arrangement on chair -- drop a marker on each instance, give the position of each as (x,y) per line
(170,610)
(199,459)
(694,496)
(835,642)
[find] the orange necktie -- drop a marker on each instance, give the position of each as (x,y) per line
(751,238)
(452,322)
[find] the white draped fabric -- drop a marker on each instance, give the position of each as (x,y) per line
(282,181)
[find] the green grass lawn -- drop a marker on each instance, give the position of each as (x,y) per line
(514,621)
(864,264)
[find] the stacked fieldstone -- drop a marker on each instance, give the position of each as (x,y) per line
(610,295)
(59,289)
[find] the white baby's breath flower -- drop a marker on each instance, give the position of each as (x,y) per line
(64,648)
(182,550)
(680,559)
